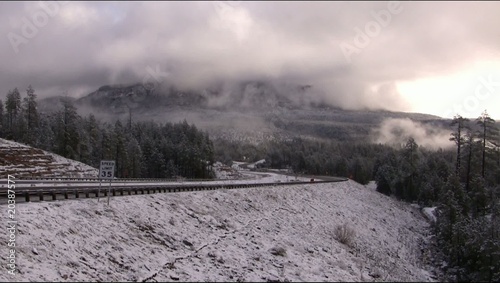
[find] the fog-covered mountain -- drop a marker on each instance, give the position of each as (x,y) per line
(250,96)
(249,110)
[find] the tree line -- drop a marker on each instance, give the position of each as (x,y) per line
(468,223)
(140,149)
(464,185)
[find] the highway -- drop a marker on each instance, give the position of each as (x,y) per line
(53,189)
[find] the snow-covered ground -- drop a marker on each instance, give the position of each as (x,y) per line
(258,234)
(372,185)
(238,165)
(430,213)
(252,165)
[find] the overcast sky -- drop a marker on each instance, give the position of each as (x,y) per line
(439,58)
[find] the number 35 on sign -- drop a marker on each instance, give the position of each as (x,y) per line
(107,169)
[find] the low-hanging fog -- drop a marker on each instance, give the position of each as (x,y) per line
(398,131)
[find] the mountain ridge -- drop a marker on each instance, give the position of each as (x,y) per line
(255,110)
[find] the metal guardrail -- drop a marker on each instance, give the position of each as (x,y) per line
(86,180)
(43,193)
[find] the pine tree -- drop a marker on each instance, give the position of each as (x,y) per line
(157,166)
(488,134)
(478,195)
(46,134)
(93,132)
(459,193)
(106,146)
(67,137)
(13,108)
(448,215)
(359,171)
(83,148)
(134,158)
(409,168)
(387,175)
(120,150)
(470,145)
(2,126)
(208,155)
(458,137)
(494,229)
(171,169)
(30,110)
(341,168)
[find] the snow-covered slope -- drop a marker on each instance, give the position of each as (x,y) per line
(261,234)
(252,165)
(21,160)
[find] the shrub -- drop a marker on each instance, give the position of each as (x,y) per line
(278,251)
(345,234)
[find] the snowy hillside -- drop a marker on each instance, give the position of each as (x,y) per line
(260,234)
(24,161)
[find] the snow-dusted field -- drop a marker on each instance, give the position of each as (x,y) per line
(259,234)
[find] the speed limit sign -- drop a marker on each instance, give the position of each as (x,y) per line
(107,169)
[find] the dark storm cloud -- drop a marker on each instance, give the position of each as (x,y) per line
(80,46)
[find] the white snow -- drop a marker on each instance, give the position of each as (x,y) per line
(430,213)
(222,235)
(224,172)
(237,165)
(252,165)
(372,185)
